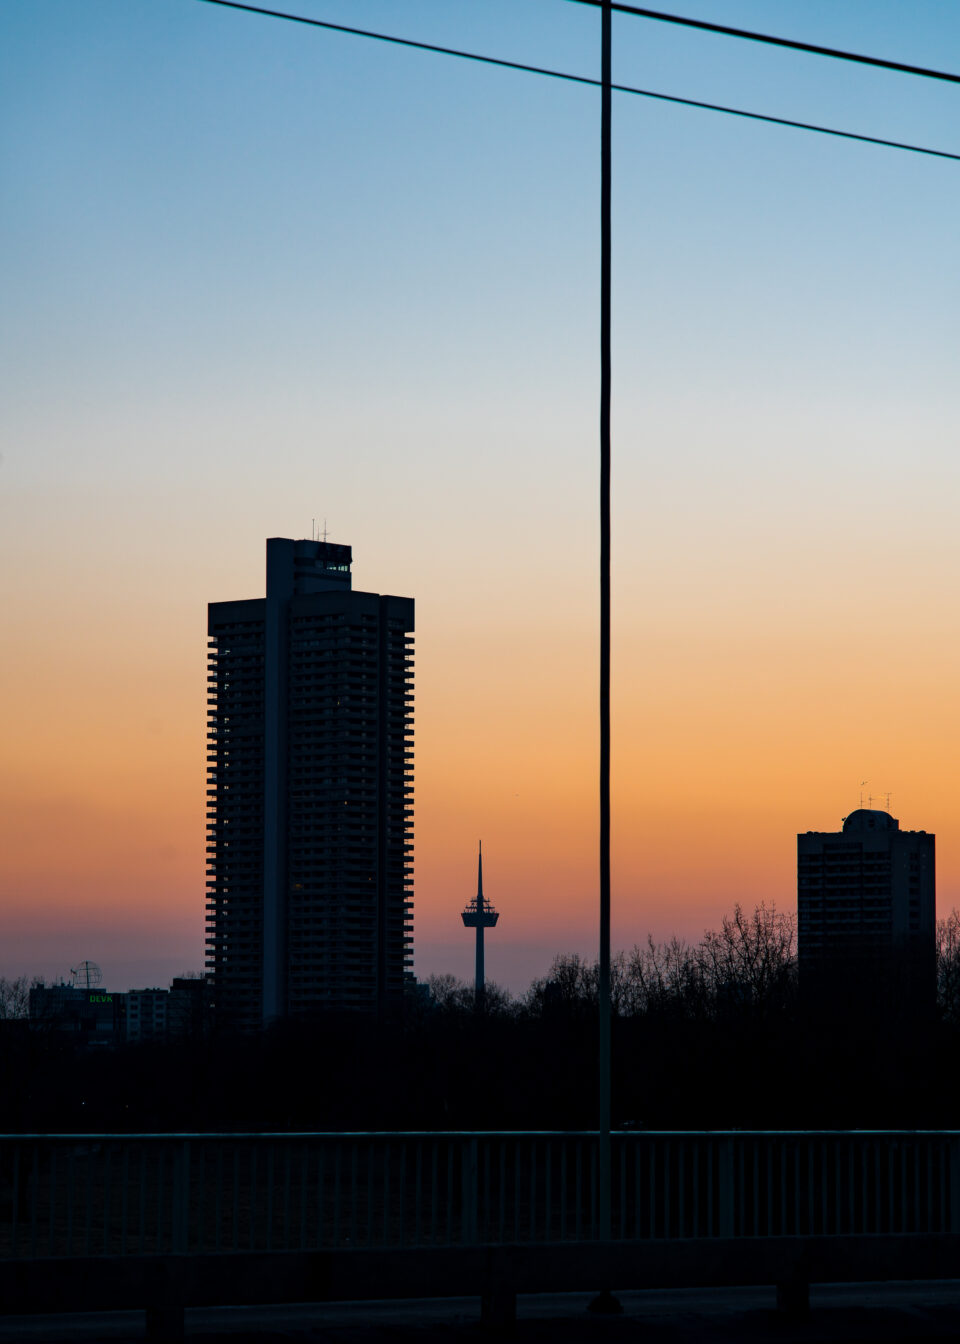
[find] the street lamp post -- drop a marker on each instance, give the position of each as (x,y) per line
(604,985)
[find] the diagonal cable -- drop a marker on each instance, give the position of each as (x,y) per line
(768,39)
(584,79)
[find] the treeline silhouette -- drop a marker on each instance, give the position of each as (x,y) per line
(705,1035)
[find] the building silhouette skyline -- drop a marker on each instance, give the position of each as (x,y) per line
(866,908)
(310,785)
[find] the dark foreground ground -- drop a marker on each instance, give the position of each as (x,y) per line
(845,1314)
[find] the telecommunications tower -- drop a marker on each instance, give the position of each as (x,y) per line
(479,915)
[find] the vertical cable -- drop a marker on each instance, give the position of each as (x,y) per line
(604,986)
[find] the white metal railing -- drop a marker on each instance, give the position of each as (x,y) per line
(143,1194)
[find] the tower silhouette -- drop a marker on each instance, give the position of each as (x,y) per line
(479,915)
(310,789)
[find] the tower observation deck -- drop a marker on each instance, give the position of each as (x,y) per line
(479,914)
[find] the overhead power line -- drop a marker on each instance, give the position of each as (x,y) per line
(583,79)
(811,48)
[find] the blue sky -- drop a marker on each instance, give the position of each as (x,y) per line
(204,205)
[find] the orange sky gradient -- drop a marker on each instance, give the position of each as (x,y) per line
(729,735)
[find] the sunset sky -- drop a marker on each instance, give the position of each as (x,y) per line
(255,274)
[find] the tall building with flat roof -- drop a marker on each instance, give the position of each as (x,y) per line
(866,906)
(310,784)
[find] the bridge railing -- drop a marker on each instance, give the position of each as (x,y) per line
(148,1194)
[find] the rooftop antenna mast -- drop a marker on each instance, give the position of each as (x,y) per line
(87,975)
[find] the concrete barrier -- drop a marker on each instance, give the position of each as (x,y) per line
(163,1286)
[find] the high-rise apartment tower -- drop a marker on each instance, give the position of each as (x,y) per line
(866,915)
(309,797)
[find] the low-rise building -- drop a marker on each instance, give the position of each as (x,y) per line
(189,1008)
(147,1014)
(93,1015)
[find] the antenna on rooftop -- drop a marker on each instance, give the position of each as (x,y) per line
(324,538)
(87,975)
(862,782)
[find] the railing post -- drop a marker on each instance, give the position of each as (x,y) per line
(469,1169)
(725,1191)
(498,1301)
(181,1200)
(953,1148)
